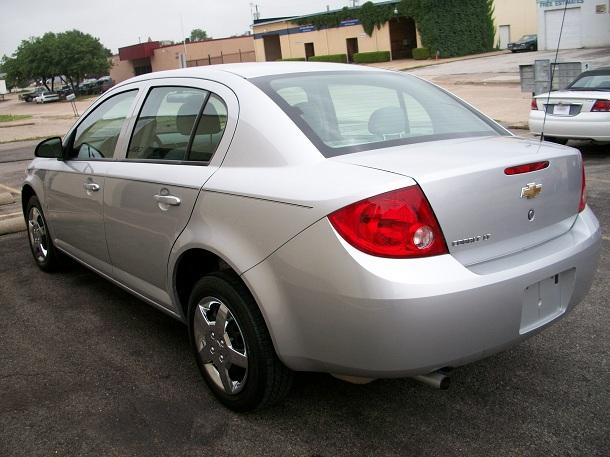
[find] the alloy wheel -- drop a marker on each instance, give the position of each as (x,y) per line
(221,345)
(37,231)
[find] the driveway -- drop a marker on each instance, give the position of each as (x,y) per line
(89,370)
(509,62)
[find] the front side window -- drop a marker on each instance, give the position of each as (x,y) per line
(345,112)
(97,135)
(165,124)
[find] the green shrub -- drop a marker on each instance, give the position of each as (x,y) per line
(421,53)
(371,57)
(451,27)
(338,58)
(294,59)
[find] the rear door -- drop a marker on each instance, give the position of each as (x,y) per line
(176,143)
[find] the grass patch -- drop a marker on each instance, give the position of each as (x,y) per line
(13,117)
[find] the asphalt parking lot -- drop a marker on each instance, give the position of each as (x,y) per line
(87,369)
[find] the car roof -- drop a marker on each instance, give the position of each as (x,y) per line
(597,71)
(250,70)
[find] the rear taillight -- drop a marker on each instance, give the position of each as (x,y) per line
(398,224)
(534,105)
(583,191)
(601,106)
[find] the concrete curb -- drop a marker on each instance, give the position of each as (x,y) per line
(6,198)
(17,125)
(12,225)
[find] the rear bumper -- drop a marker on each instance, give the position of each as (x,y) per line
(587,126)
(332,308)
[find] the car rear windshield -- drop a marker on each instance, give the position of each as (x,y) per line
(346,112)
(592,82)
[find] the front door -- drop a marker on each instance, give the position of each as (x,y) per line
(75,186)
(309,51)
(504,32)
(352,48)
(177,143)
(273,48)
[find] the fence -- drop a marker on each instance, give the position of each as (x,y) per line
(236,57)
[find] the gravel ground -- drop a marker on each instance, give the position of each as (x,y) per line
(86,369)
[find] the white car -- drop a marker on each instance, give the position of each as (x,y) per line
(47,97)
(581,111)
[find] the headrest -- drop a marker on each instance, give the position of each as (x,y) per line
(390,120)
(210,121)
(187,114)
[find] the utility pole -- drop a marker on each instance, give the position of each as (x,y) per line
(355,3)
(254,12)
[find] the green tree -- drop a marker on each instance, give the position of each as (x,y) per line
(33,60)
(72,55)
(80,55)
(199,35)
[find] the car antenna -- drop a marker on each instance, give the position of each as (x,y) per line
(553,65)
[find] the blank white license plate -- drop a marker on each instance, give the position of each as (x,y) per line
(562,110)
(546,300)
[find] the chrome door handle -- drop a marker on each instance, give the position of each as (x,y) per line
(91,186)
(168,200)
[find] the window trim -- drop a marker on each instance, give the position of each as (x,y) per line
(264,84)
(71,138)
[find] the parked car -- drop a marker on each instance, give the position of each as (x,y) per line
(294,226)
(580,111)
(30,96)
(525,43)
(88,87)
(104,84)
(65,91)
(47,97)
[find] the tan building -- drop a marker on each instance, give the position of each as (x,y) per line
(283,38)
(153,56)
(513,19)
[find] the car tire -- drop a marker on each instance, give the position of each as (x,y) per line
(43,250)
(554,139)
(234,352)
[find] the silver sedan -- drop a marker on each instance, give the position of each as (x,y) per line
(316,217)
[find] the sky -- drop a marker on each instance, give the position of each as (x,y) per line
(119,23)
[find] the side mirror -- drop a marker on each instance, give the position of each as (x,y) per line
(50,148)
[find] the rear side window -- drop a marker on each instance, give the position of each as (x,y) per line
(97,135)
(210,127)
(345,112)
(165,124)
(591,82)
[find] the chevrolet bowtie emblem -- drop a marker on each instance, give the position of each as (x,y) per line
(531,190)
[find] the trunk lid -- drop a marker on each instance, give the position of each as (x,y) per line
(569,103)
(479,208)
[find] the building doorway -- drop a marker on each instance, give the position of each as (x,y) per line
(309,51)
(504,33)
(141,66)
(403,37)
(273,49)
(352,48)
